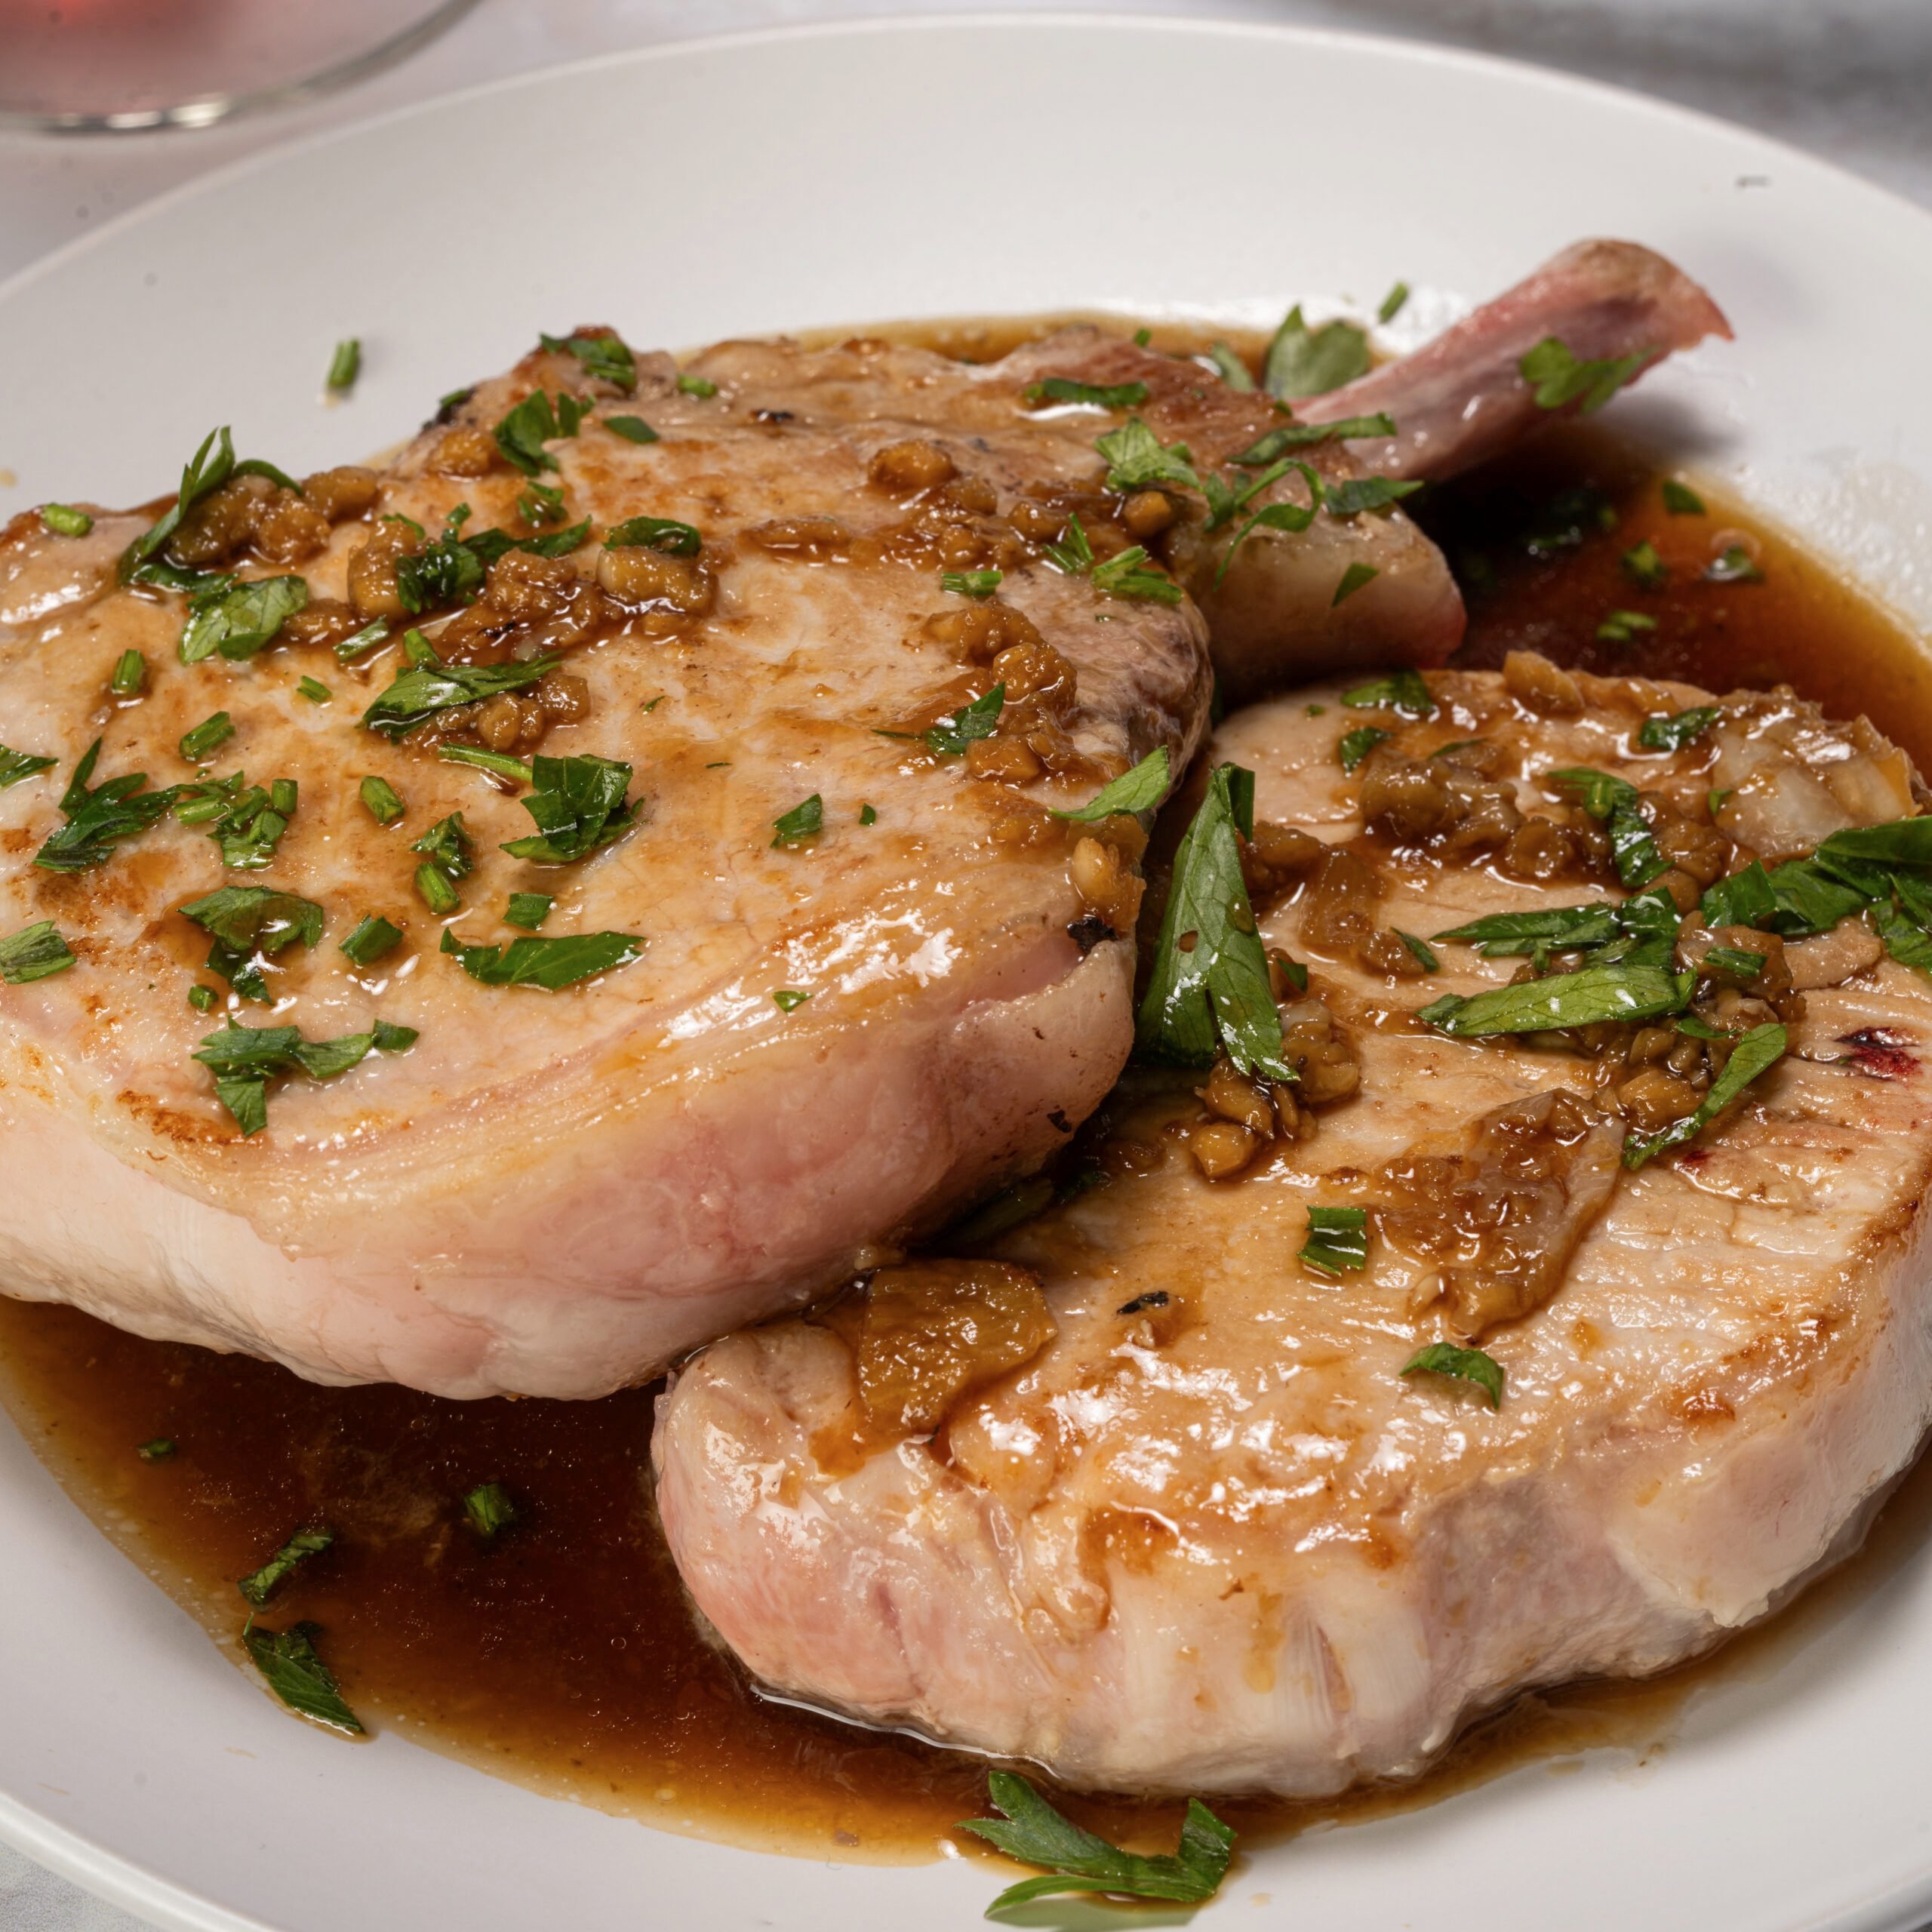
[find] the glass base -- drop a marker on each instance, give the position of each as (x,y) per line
(90,66)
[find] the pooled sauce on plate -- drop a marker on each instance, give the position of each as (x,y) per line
(561,1652)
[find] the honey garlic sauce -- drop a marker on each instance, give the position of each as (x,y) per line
(562,1653)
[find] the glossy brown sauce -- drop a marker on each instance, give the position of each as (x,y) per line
(562,1654)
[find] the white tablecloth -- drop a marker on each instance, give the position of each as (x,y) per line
(1848,80)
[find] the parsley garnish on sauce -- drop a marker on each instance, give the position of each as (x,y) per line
(655,532)
(1621,990)
(1684,727)
(1231,368)
(197,742)
(205,472)
(157,1450)
(499,765)
(1469,1365)
(243,1059)
(1091,396)
(1354,494)
(1034,1833)
(1209,990)
(35,953)
(247,823)
(1293,517)
(1643,566)
(1559,379)
(15,766)
(535,421)
(951,736)
(606,356)
(1755,1053)
(1126,574)
(550,964)
(1680,500)
(251,923)
(1138,459)
(528,910)
(805,820)
(578,804)
(1621,626)
(1138,791)
(259,1585)
(1615,801)
(1337,1240)
(296,1673)
(1406,692)
(1305,362)
(489,1508)
(1356,745)
(98,820)
(422,690)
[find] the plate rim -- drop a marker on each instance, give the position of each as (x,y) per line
(70,1852)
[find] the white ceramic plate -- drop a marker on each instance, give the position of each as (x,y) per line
(847,175)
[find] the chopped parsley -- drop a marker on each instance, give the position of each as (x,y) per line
(535,421)
(35,953)
(448,853)
(201,998)
(1468,1364)
(366,639)
(550,964)
(806,819)
(703,387)
(262,1584)
(156,1450)
(244,1058)
(205,472)
(868,815)
(15,766)
(1755,1053)
(380,798)
(655,533)
(578,804)
(1392,304)
(1126,574)
(499,765)
(238,619)
(1139,790)
(1357,576)
(1615,801)
(789,999)
(250,924)
(1734,960)
(1558,928)
(1091,396)
(1073,555)
(346,364)
(1559,379)
(489,1508)
(247,823)
(296,1673)
(1304,361)
(1292,518)
(1034,1833)
(97,820)
(1356,745)
(1680,500)
(606,357)
(1230,367)
(1209,990)
(970,583)
(422,690)
(951,736)
(1643,566)
(1622,989)
(1419,950)
(528,910)
(1622,626)
(1684,727)
(1736,565)
(632,428)
(200,739)
(374,938)
(1138,459)
(1406,692)
(1300,435)
(1354,494)
(314,690)
(1338,1239)
(62,520)
(538,503)
(131,674)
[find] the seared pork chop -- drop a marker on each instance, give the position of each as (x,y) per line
(1144,1493)
(820,964)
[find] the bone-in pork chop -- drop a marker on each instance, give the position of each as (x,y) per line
(816,967)
(1140,1492)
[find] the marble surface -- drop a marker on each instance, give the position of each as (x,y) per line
(1847,79)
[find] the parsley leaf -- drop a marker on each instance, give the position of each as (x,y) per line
(951,736)
(422,690)
(632,428)
(250,822)
(551,963)
(535,421)
(1622,989)
(1356,745)
(1684,727)
(1138,459)
(1305,362)
(1638,860)
(1213,992)
(1354,494)
(1418,950)
(608,357)
(35,953)
(1300,435)
(244,1058)
(1338,1239)
(528,910)
(1292,518)
(1758,1049)
(1091,396)
(1139,790)
(789,999)
(1643,566)
(1126,574)
(970,583)
(97,820)
(371,634)
(1357,576)
(1559,379)
(1680,500)
(805,820)
(1230,367)
(248,921)
(1038,1835)
(499,765)
(1471,1364)
(1560,928)
(1406,692)
(260,1585)
(297,1674)
(489,1508)
(655,533)
(15,766)
(578,804)
(204,473)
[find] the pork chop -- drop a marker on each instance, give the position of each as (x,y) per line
(786,955)
(1159,1489)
